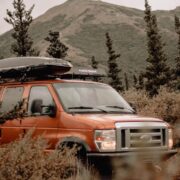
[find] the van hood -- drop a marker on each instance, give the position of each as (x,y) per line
(108,120)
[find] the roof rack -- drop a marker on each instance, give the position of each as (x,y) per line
(83,73)
(32,68)
(23,69)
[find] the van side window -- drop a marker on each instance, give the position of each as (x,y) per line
(12,96)
(38,98)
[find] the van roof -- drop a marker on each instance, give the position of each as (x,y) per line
(49,81)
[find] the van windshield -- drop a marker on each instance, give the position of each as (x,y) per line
(91,97)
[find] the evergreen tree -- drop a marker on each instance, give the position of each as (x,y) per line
(134,80)
(176,70)
(56,48)
(94,63)
(113,69)
(21,19)
(126,81)
(157,72)
(138,82)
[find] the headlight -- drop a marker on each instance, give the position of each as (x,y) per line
(170,140)
(105,140)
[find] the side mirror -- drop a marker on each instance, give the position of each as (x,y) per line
(37,107)
(133,107)
(49,110)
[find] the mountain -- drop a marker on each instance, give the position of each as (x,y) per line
(83,24)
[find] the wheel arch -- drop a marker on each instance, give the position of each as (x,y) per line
(74,140)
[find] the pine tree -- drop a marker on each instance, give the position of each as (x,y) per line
(140,83)
(113,69)
(126,80)
(135,80)
(21,19)
(56,48)
(176,70)
(94,63)
(157,72)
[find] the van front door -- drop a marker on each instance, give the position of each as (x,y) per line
(40,119)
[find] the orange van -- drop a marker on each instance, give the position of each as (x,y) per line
(90,114)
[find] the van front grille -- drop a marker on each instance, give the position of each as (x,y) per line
(131,138)
(145,138)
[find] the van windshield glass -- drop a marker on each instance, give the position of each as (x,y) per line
(91,97)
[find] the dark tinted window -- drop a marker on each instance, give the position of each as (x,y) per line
(11,98)
(39,94)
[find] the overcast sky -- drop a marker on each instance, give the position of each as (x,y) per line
(43,5)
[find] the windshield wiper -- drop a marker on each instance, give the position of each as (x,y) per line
(120,107)
(80,107)
(88,107)
(116,107)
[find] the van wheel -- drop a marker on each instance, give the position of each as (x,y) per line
(80,151)
(103,167)
(81,154)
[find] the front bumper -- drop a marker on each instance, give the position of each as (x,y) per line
(151,155)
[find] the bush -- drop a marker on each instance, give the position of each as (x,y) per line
(166,105)
(27,159)
(135,168)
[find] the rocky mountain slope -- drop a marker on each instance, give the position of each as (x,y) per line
(83,24)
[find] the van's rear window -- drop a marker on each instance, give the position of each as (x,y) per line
(12,96)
